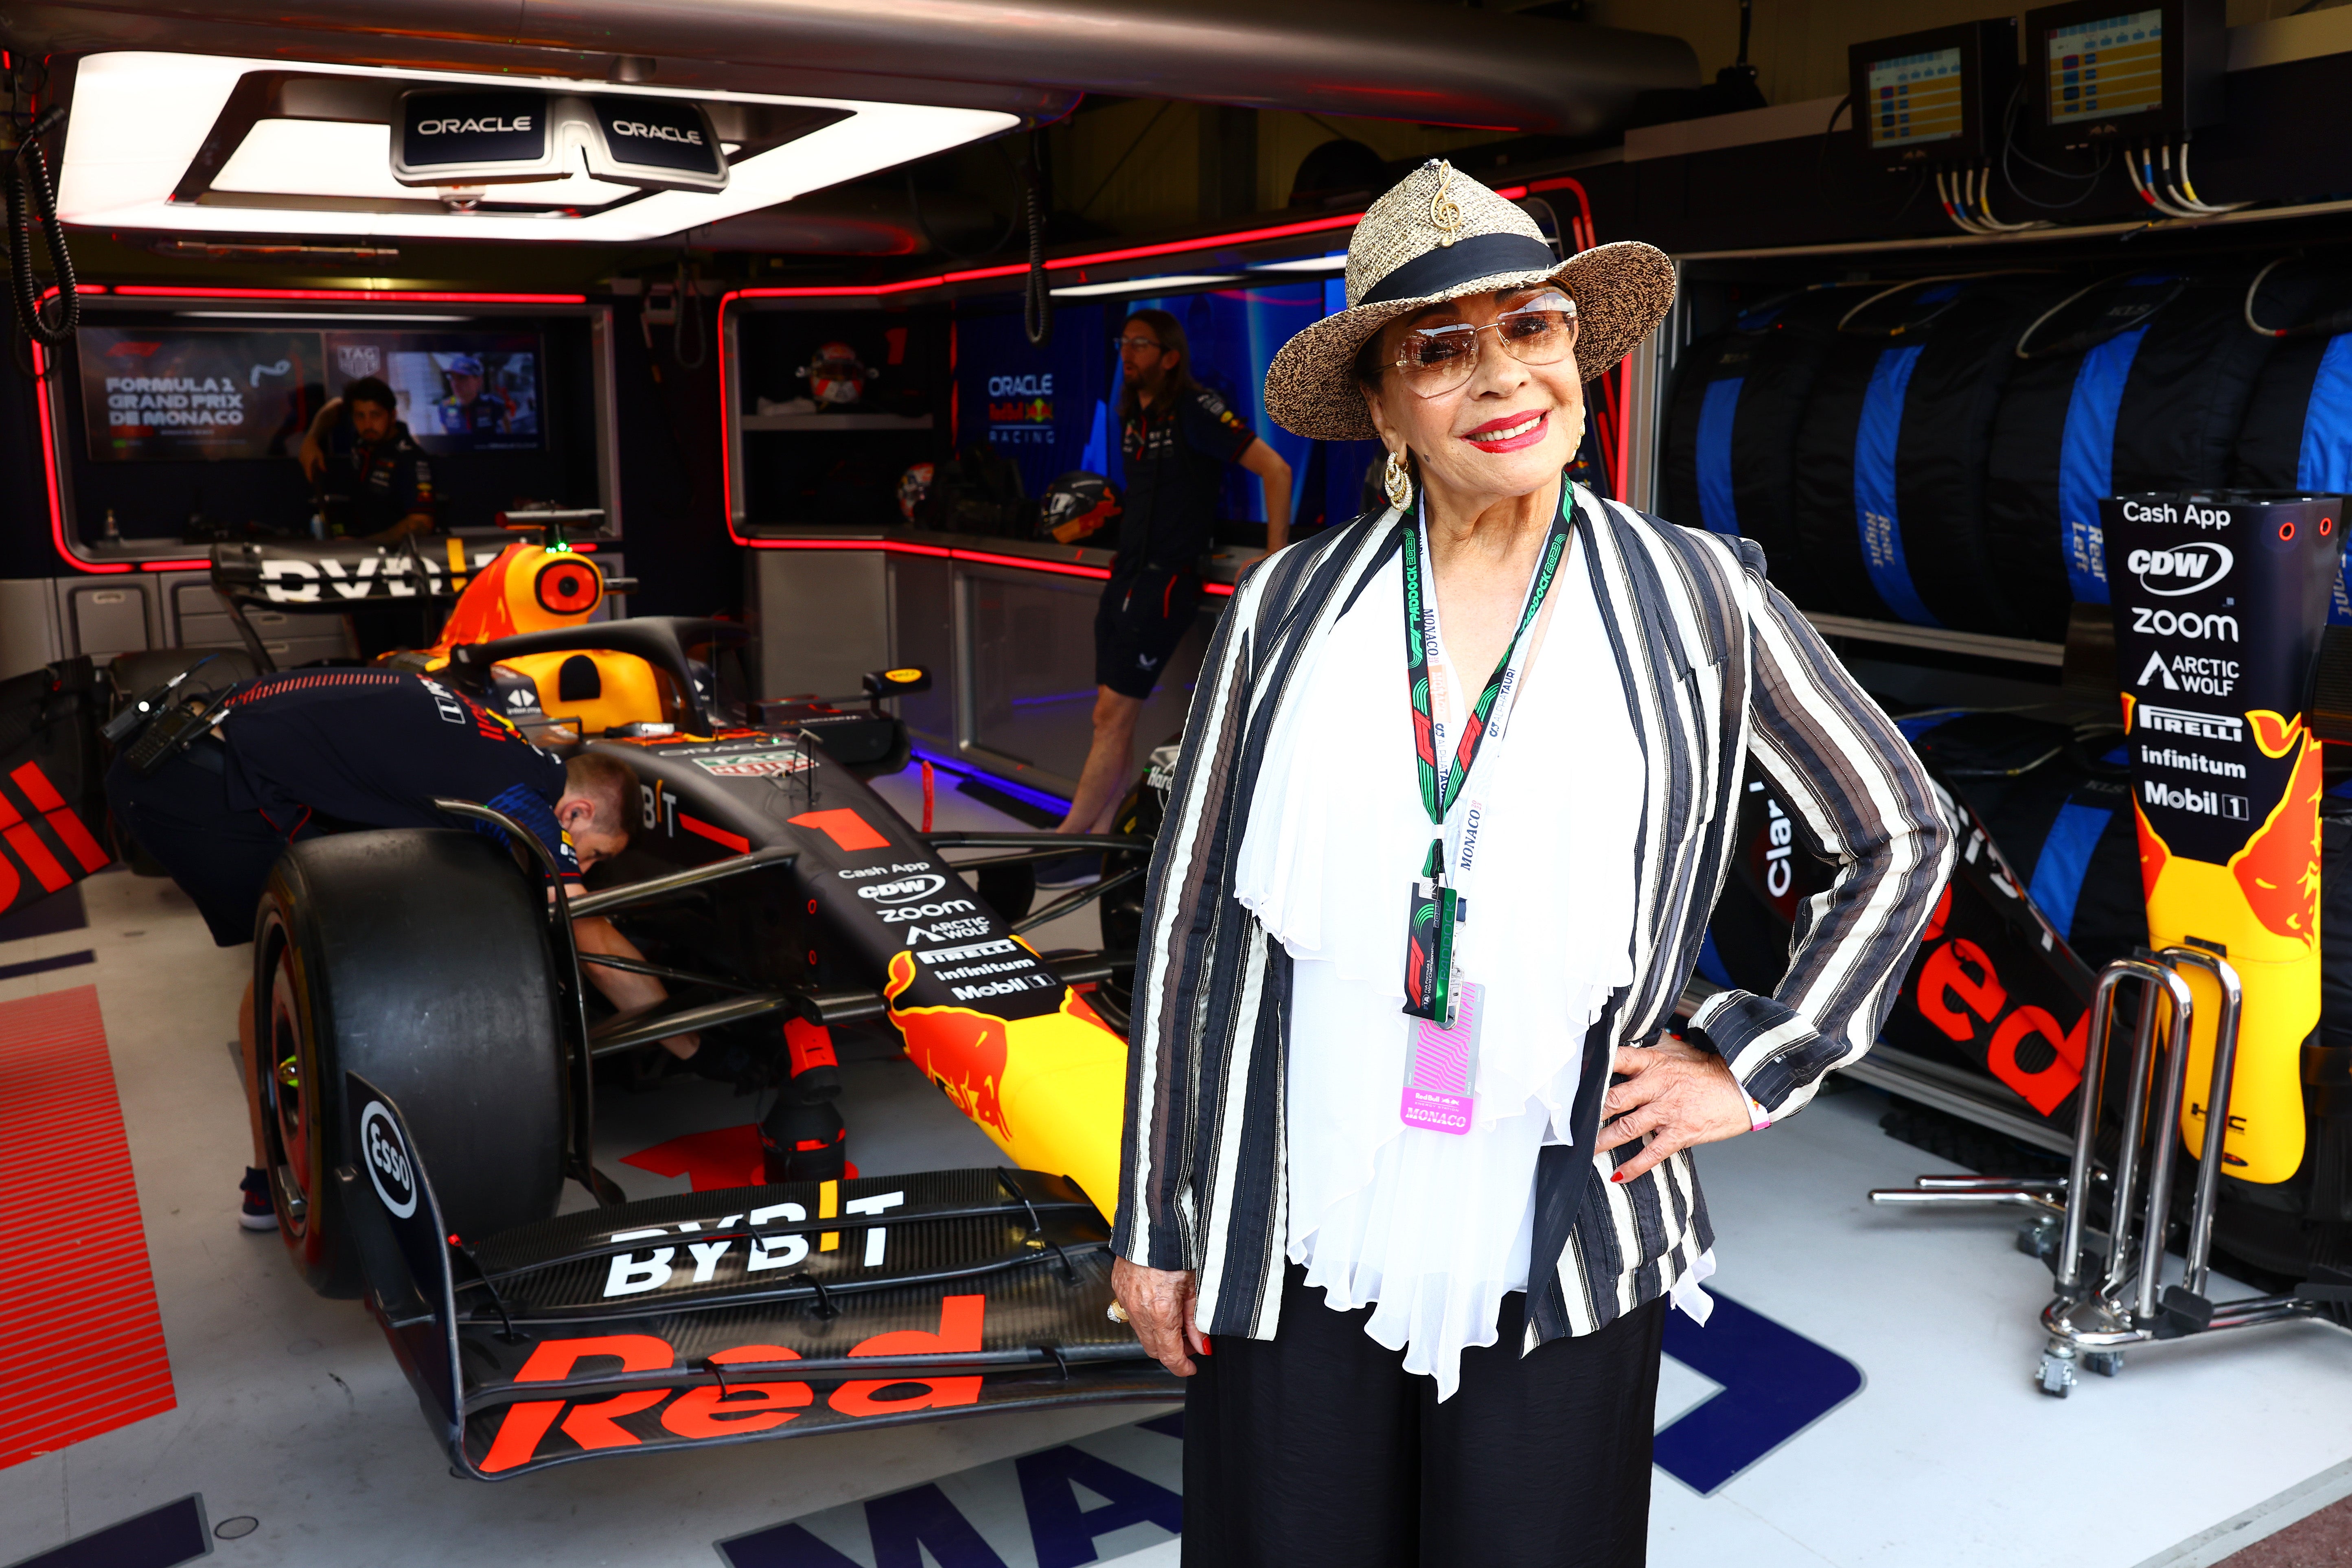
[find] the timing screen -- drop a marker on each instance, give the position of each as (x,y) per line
(2100,70)
(1915,98)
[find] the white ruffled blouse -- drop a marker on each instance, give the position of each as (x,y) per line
(1435,1227)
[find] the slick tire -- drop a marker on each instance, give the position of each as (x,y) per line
(420,960)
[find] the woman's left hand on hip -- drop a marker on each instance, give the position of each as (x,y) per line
(1677,1095)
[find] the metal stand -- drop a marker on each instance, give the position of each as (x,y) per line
(2091,1321)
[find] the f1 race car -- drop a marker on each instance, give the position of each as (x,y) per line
(428,1060)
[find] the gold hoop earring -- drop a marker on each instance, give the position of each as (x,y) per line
(1397,481)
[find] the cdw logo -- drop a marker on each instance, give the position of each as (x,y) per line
(728,1407)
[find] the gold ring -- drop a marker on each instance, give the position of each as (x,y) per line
(1117,1314)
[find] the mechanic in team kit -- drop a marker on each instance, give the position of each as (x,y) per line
(1177,437)
(374,481)
(374,484)
(305,753)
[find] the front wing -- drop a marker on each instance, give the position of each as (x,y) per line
(734,1316)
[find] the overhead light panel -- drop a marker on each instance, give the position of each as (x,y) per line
(345,161)
(1140,285)
(165,142)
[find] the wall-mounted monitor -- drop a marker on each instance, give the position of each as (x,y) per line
(456,392)
(2117,68)
(222,395)
(1934,97)
(182,393)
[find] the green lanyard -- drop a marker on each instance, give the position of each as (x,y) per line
(1435,905)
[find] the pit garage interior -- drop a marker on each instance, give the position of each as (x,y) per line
(759,377)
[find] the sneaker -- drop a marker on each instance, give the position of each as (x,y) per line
(1069,871)
(257,1212)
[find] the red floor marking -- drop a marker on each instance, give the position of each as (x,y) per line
(82,1345)
(715,1161)
(723,1157)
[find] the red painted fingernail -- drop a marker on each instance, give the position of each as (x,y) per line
(1207,1349)
(1616,1175)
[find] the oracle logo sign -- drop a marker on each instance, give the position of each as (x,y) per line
(658,132)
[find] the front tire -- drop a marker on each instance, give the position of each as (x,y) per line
(420,958)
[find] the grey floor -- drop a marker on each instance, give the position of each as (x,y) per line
(291,1412)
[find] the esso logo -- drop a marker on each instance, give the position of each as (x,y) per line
(387,1159)
(568,587)
(2182,569)
(905,891)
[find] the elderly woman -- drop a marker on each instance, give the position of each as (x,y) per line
(1408,1184)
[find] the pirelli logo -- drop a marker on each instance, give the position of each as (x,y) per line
(969,949)
(2148,719)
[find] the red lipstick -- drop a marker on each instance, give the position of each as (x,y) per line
(1490,436)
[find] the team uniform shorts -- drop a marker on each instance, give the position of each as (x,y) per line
(1138,626)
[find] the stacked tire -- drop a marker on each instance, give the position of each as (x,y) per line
(2138,382)
(1729,463)
(1934,452)
(1891,458)
(2297,434)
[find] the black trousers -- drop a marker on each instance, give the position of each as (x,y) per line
(1317,1448)
(220,856)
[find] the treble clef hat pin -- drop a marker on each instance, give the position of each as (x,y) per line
(1439,234)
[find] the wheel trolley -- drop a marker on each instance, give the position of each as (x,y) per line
(2109,1291)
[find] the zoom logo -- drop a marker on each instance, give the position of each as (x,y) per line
(2185,624)
(2183,569)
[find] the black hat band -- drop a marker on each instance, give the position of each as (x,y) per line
(1480,255)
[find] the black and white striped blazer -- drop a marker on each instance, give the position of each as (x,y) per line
(1716,665)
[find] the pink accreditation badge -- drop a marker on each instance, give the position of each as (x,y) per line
(1444,1066)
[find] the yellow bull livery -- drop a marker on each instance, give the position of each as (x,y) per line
(2218,604)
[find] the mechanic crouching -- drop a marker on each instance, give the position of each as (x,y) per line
(305,753)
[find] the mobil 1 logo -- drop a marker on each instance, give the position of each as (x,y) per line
(2219,599)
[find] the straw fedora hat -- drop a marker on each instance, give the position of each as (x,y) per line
(1439,234)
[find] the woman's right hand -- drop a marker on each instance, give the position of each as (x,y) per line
(1158,1304)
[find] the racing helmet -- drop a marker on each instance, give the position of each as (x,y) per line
(1076,506)
(914,485)
(835,378)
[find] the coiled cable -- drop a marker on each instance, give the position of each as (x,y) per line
(1036,303)
(30,198)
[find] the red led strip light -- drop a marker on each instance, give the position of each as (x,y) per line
(356,296)
(1062,264)
(950,553)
